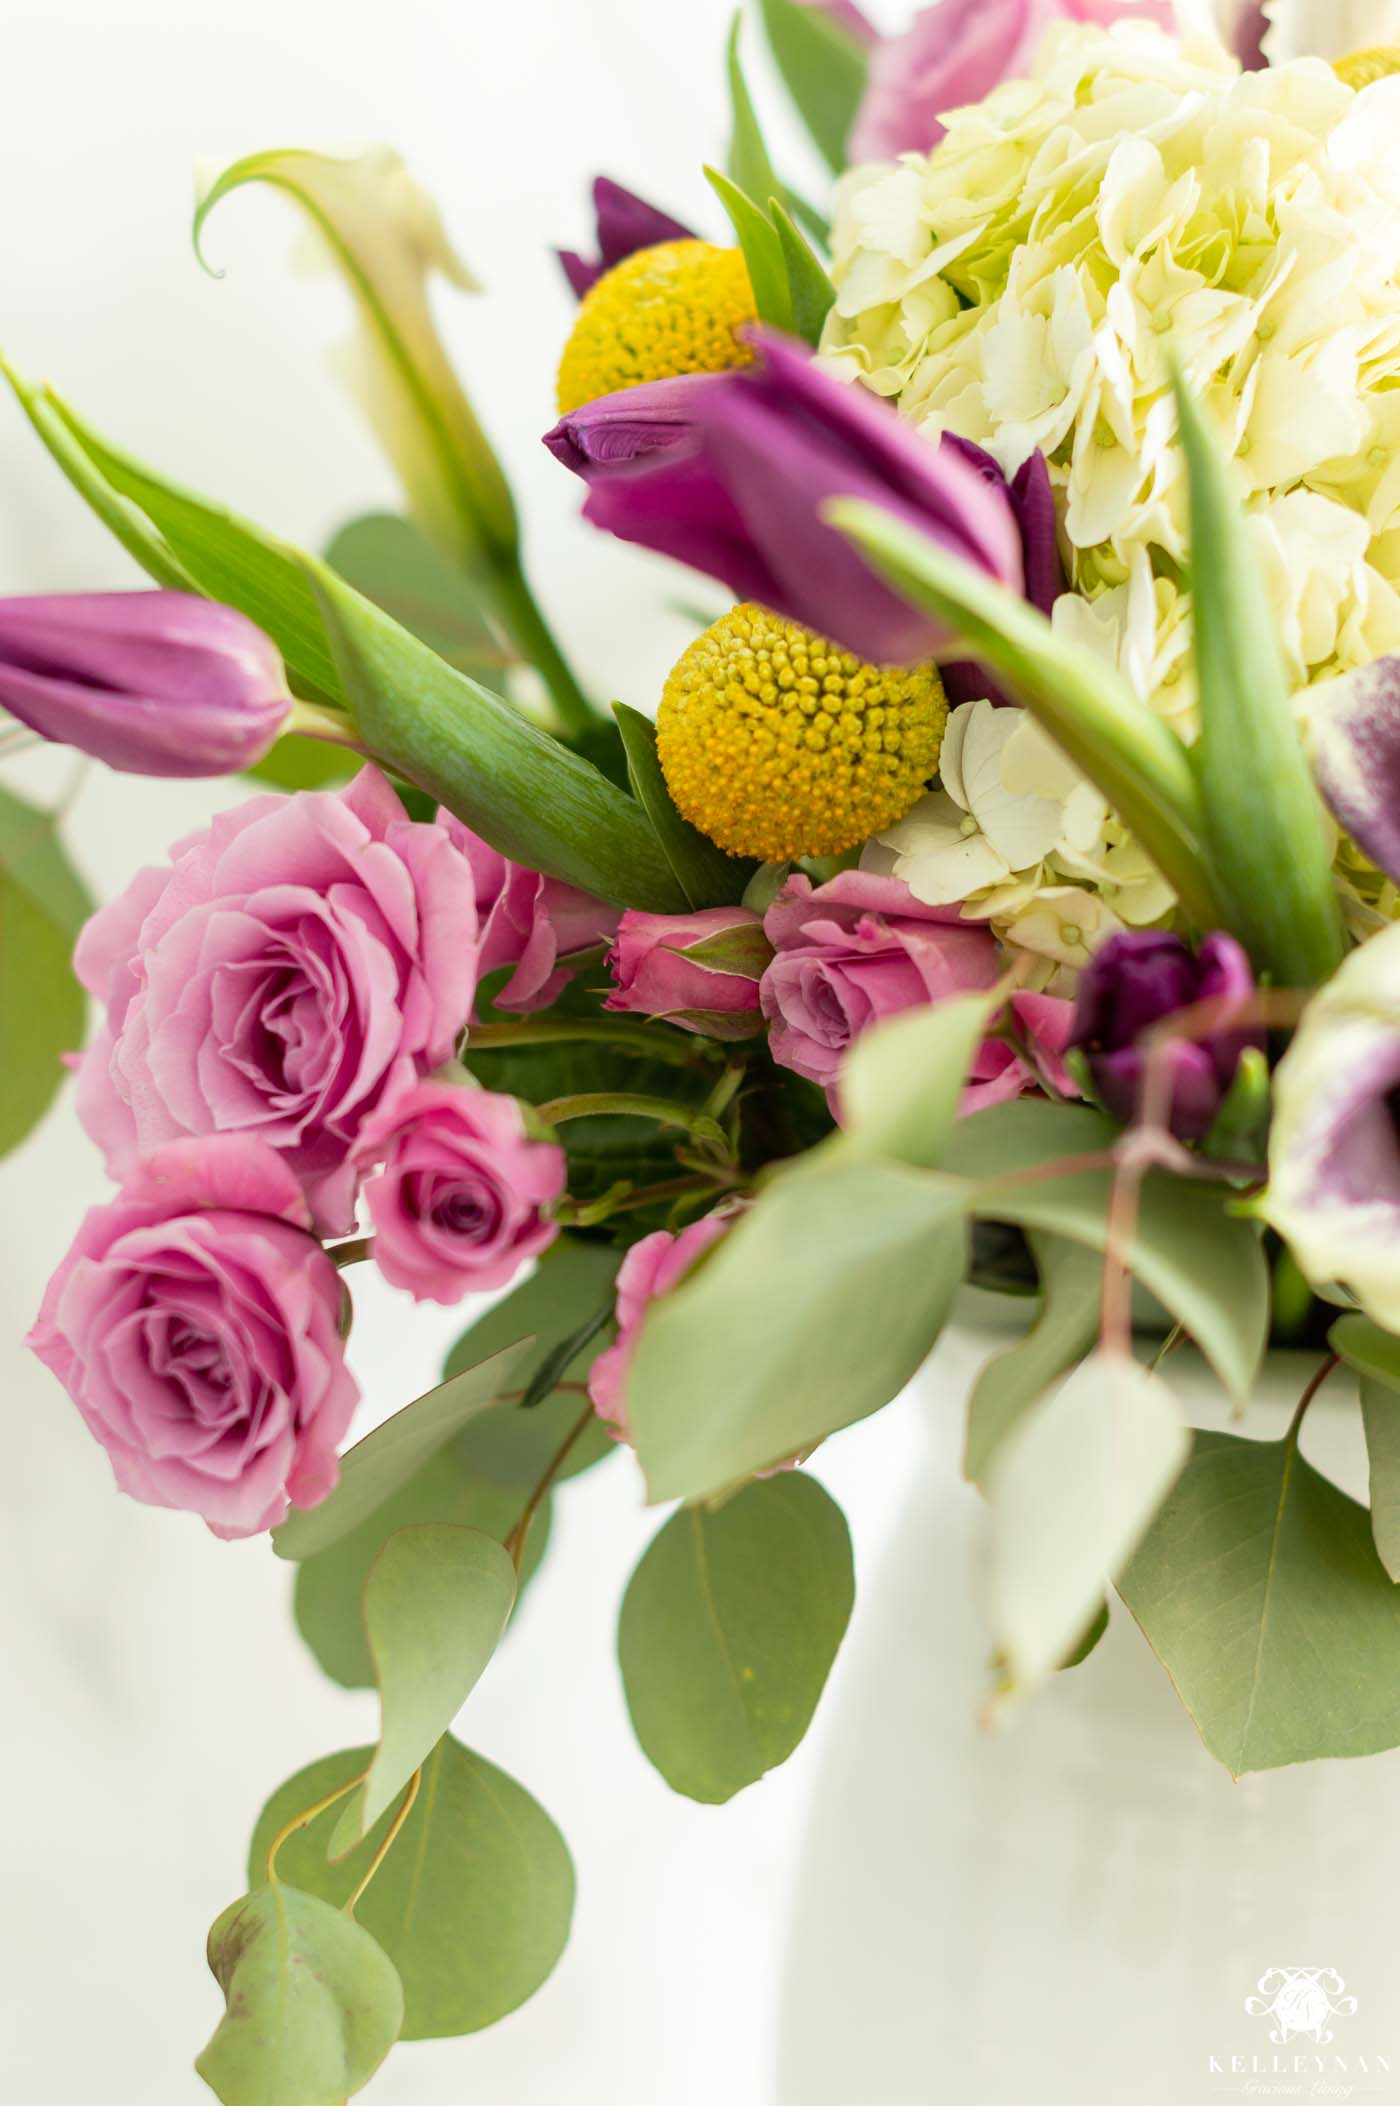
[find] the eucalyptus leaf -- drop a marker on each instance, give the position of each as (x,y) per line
(1071,1286)
(392,562)
(375,1468)
(42,907)
(1261,1592)
(1089,1643)
(1367,1348)
(728,1631)
(436,1602)
(1072,1490)
(763,251)
(902,1083)
(704,873)
(823,67)
(472,1903)
(314,2004)
(1380,1413)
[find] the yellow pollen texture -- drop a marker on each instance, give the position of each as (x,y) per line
(666,310)
(778,744)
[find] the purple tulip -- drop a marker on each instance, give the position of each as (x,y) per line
(1136,980)
(1247,33)
(1354,739)
(625,223)
(1033,502)
(153,683)
(731,473)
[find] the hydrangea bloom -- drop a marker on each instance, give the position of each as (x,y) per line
(1019,286)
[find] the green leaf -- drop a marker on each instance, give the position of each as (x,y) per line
(375,1468)
(42,908)
(1204,1265)
(1083,702)
(749,167)
(1072,1490)
(1260,1590)
(1089,1643)
(1367,1348)
(811,293)
(728,1630)
(814,1311)
(510,1447)
(329,1595)
(314,2005)
(297,763)
(436,1602)
(763,251)
(824,69)
(1265,832)
(473,1902)
(535,800)
(1374,1355)
(1071,1283)
(902,1083)
(388,560)
(705,874)
(387,237)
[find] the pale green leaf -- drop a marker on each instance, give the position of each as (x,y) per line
(763,251)
(472,1903)
(1072,1490)
(728,1630)
(705,874)
(314,2004)
(390,561)
(750,167)
(42,908)
(811,293)
(824,69)
(1374,1355)
(901,1083)
(1071,1285)
(1367,1348)
(1261,1592)
(436,1602)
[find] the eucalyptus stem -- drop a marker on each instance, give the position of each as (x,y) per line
(515,1541)
(300,1821)
(520,612)
(390,1839)
(656,1044)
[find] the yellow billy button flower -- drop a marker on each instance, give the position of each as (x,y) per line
(1359,68)
(671,309)
(779,744)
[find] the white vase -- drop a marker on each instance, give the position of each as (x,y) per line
(1076,1907)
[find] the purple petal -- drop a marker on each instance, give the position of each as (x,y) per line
(625,223)
(616,430)
(1356,757)
(1250,27)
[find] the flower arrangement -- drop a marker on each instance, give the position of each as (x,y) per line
(1006,889)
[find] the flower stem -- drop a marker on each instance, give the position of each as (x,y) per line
(520,612)
(515,1541)
(597,1104)
(352,1252)
(390,1839)
(300,1821)
(674,1047)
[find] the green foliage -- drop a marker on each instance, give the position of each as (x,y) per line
(1265,832)
(314,2005)
(436,1602)
(1374,1355)
(390,561)
(42,907)
(705,874)
(824,70)
(297,763)
(1261,1592)
(509,1447)
(901,1085)
(750,167)
(472,1903)
(1071,1282)
(763,251)
(729,1627)
(811,294)
(1089,1643)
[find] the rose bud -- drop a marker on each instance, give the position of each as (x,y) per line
(153,683)
(1134,981)
(196,1324)
(624,223)
(654,1266)
(458,1202)
(700,970)
(536,925)
(732,473)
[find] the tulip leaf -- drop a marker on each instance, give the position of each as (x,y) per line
(811,293)
(728,1631)
(42,907)
(902,1082)
(823,67)
(1261,1592)
(472,1903)
(814,1311)
(314,2004)
(436,1601)
(1265,832)
(1071,1288)
(705,874)
(750,168)
(1082,701)
(376,1467)
(1072,1490)
(763,251)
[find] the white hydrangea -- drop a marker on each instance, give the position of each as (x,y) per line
(1019,286)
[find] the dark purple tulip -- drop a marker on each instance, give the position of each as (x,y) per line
(731,473)
(153,683)
(1033,502)
(625,223)
(1136,980)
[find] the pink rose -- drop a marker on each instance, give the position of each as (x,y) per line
(531,922)
(956,52)
(297,960)
(654,1266)
(458,1204)
(857,950)
(1044,1025)
(699,970)
(195,1323)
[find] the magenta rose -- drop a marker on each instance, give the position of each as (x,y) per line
(533,923)
(699,970)
(458,1202)
(654,1266)
(854,951)
(296,961)
(196,1324)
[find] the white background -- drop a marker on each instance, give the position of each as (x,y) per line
(153,1689)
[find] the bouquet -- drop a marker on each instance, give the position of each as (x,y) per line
(1004,888)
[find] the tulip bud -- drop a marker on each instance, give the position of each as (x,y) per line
(624,223)
(1135,981)
(700,970)
(153,683)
